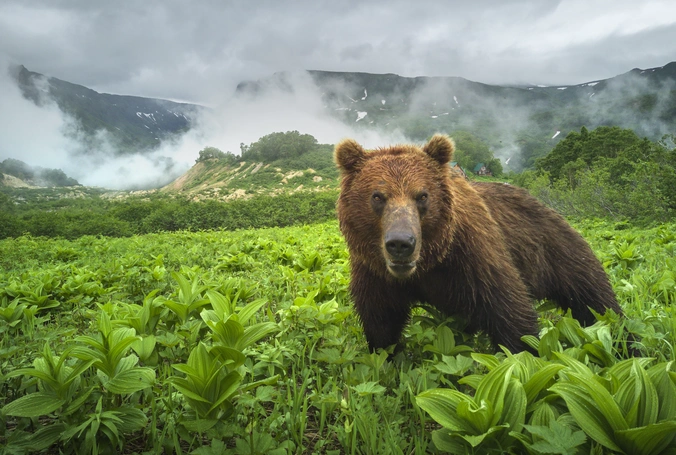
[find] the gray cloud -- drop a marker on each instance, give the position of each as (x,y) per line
(199,51)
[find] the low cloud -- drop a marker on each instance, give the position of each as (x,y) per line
(42,135)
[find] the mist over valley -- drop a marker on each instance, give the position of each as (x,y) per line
(131,142)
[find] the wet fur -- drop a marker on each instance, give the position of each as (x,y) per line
(487,249)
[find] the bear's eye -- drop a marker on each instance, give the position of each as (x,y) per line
(422,197)
(377,202)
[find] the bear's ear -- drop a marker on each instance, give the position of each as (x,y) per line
(349,155)
(440,148)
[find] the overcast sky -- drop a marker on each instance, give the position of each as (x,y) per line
(199,50)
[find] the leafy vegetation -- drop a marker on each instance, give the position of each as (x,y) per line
(73,218)
(471,151)
(35,175)
(277,146)
(609,172)
(213,153)
(245,343)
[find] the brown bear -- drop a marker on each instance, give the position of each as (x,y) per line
(418,232)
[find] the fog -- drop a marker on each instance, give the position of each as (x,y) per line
(42,135)
(45,136)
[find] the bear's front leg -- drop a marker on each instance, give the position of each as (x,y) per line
(486,288)
(383,306)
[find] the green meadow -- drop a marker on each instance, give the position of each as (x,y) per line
(245,342)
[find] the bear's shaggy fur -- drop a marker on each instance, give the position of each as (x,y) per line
(417,232)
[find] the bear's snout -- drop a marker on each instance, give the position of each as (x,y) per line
(401,240)
(400,245)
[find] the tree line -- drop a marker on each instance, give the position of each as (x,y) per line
(609,172)
(133,216)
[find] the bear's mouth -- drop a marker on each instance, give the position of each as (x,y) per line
(401,269)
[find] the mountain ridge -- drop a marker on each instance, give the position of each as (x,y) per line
(133,123)
(520,123)
(514,121)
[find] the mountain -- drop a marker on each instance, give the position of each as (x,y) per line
(519,123)
(522,122)
(134,124)
(16,173)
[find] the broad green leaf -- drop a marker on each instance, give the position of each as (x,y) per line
(604,401)
(448,442)
(472,380)
(627,398)
(493,387)
(442,406)
(144,347)
(514,410)
(649,401)
(666,390)
(487,360)
(185,287)
(540,379)
(179,309)
(76,371)
(229,386)
(445,340)
(273,380)
(105,326)
(531,341)
(543,414)
(573,365)
(130,381)
(76,404)
(230,357)
(131,419)
(228,332)
(33,405)
(649,440)
(621,370)
(90,341)
(478,416)
(34,372)
(41,440)
(126,363)
(476,440)
(598,351)
(210,316)
(256,332)
(221,305)
(549,343)
(571,330)
(247,312)
(186,388)
(606,338)
(119,348)
(587,413)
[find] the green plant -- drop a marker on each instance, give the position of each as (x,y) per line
(209,382)
(635,412)
(117,372)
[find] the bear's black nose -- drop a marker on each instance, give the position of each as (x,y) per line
(400,245)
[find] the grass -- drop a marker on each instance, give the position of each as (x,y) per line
(245,342)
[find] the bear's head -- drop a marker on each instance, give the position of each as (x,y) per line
(395,204)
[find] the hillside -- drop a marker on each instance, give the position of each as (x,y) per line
(214,179)
(522,123)
(17,174)
(134,124)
